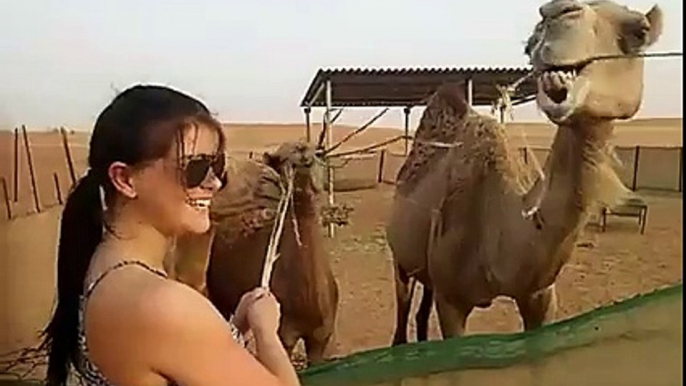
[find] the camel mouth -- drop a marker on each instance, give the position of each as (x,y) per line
(561,88)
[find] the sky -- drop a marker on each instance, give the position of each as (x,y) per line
(62,62)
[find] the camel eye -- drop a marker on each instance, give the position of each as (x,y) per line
(641,33)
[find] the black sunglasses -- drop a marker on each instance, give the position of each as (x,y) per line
(196,167)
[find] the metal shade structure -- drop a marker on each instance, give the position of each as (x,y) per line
(405,88)
(409,87)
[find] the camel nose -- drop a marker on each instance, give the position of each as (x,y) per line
(557,8)
(305,161)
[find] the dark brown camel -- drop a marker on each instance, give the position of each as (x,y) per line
(242,215)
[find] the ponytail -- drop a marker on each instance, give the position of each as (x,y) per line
(80,233)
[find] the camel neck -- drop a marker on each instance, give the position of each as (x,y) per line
(310,265)
(576,173)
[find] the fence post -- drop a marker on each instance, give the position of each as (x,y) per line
(32,172)
(381,164)
(8,204)
(634,182)
(57,188)
(15,172)
(67,153)
(681,170)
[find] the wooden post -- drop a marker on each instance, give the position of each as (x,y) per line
(57,188)
(470,92)
(329,144)
(32,172)
(338,115)
(15,172)
(8,203)
(308,125)
(406,110)
(634,182)
(67,154)
(681,170)
(309,107)
(382,159)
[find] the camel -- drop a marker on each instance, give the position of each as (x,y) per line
(471,221)
(228,260)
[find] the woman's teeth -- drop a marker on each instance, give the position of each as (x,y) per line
(199,204)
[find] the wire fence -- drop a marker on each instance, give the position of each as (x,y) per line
(37,170)
(643,167)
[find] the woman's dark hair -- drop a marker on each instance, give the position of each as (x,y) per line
(139,125)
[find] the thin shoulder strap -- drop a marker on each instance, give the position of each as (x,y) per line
(121,264)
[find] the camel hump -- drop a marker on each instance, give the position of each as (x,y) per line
(441,122)
(249,201)
(452,95)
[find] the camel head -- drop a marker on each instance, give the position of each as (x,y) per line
(568,35)
(302,157)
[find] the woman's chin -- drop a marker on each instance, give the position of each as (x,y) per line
(197,225)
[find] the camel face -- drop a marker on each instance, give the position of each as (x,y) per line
(569,34)
(302,157)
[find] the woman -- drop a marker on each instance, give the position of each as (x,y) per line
(156,160)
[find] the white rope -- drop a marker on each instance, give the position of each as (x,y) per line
(275,237)
(505,102)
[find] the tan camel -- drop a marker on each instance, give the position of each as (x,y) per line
(242,216)
(468,222)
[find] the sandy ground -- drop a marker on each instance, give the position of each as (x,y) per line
(622,264)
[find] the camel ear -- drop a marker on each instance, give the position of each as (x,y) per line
(655,20)
(641,31)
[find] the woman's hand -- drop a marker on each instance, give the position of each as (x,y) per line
(259,311)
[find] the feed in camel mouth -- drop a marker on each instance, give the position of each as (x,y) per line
(561,88)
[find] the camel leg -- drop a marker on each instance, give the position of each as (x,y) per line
(423,313)
(539,308)
(403,298)
(289,336)
(452,318)
(315,346)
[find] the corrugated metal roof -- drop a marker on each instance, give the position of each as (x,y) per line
(410,86)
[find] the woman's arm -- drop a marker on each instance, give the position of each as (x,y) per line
(188,341)
(271,353)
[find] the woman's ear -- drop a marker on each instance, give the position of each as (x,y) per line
(120,175)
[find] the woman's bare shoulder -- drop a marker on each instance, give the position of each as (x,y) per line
(190,342)
(167,301)
(169,329)
(142,302)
